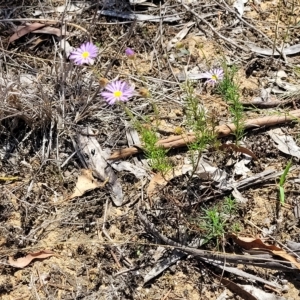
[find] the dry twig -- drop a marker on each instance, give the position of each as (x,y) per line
(265,261)
(221,131)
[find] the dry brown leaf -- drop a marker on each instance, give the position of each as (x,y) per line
(251,243)
(85,182)
(156,180)
(161,181)
(236,148)
(51,30)
(25,261)
(287,256)
(25,30)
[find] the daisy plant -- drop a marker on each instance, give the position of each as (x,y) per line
(213,76)
(229,90)
(198,121)
(117,91)
(156,155)
(85,54)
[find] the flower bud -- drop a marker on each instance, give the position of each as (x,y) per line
(130,53)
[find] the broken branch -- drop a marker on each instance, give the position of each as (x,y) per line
(221,131)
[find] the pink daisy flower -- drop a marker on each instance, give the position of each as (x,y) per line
(213,76)
(117,91)
(85,54)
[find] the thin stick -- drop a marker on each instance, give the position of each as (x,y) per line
(47,21)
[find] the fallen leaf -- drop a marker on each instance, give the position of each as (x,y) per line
(139,17)
(241,169)
(239,197)
(252,243)
(285,143)
(257,244)
(293,245)
(52,30)
(23,30)
(137,171)
(3,178)
(287,256)
(25,261)
(160,180)
(291,50)
(289,87)
(236,148)
(70,8)
(240,6)
(85,182)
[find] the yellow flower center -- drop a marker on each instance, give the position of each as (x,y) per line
(85,54)
(214,77)
(118,94)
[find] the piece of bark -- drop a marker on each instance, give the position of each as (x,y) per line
(96,160)
(263,104)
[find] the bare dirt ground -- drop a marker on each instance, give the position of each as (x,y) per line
(99,245)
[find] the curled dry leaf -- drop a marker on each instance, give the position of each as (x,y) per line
(221,131)
(236,148)
(257,244)
(252,243)
(25,261)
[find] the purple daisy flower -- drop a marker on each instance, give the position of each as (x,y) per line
(117,91)
(213,76)
(129,52)
(85,54)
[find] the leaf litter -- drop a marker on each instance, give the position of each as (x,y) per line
(46,124)
(86,182)
(22,262)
